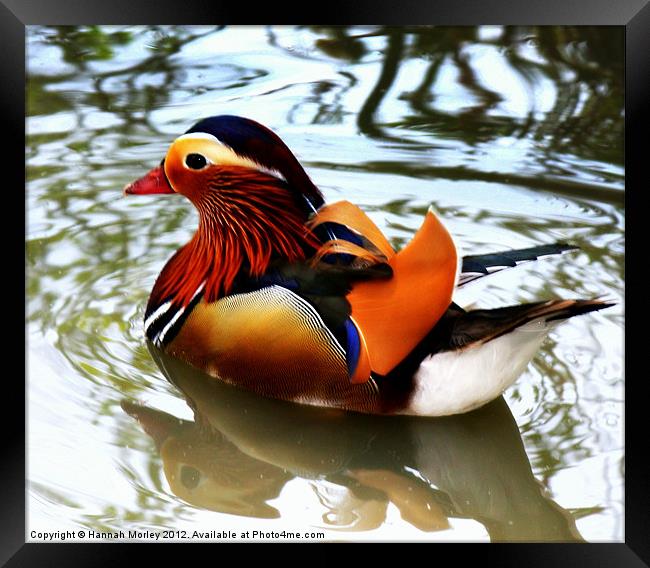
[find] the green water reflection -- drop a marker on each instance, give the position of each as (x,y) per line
(515,134)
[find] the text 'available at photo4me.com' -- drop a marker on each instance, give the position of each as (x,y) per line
(172,535)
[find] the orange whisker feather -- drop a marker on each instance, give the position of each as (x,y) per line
(246,219)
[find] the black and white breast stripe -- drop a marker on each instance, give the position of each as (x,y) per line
(161,323)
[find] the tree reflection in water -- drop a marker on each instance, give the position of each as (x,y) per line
(585,64)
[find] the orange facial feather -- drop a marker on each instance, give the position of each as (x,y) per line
(246,218)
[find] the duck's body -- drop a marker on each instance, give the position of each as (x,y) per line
(288,297)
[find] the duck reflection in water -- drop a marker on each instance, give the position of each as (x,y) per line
(242,449)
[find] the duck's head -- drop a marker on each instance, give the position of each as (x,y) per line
(225,152)
(253,200)
(205,469)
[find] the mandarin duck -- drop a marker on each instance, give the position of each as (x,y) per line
(282,294)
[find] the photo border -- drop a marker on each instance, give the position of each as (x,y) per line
(634,15)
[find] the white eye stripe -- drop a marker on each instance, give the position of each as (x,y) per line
(200,136)
(273,173)
(227,156)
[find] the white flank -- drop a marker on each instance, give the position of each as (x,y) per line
(458,381)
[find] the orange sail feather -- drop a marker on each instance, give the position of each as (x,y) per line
(393,315)
(348,214)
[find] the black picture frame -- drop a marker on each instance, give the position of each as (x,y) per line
(634,15)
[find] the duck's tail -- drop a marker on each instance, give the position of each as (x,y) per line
(484,325)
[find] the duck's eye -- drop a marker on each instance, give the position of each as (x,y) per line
(190,476)
(195,161)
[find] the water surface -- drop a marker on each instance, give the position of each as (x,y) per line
(515,135)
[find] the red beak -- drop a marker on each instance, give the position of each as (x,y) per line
(159,425)
(153,182)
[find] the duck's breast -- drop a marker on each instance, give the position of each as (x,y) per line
(273,342)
